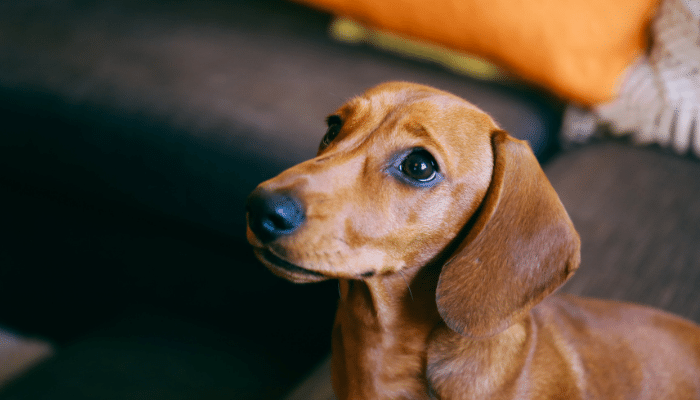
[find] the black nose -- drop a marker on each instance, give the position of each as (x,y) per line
(271,215)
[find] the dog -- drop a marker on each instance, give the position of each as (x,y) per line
(448,241)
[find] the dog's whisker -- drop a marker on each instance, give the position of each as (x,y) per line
(407,285)
(341,240)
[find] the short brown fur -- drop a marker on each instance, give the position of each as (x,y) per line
(445,291)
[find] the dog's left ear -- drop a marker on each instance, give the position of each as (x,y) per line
(520,247)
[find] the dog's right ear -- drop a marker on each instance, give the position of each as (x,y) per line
(521,247)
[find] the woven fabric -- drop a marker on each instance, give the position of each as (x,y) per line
(659,101)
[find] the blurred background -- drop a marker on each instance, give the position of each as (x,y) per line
(132,132)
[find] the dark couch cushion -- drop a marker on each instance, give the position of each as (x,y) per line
(154,357)
(638,213)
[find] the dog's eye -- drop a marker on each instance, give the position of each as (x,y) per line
(415,167)
(420,166)
(334,125)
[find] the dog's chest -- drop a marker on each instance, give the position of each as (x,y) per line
(463,368)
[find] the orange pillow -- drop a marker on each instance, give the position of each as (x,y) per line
(579,49)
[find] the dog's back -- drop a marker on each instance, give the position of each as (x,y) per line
(652,354)
(573,348)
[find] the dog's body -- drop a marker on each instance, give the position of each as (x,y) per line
(447,240)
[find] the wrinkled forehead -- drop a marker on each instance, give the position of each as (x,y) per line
(399,93)
(420,102)
(453,122)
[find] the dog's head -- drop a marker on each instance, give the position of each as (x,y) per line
(404,175)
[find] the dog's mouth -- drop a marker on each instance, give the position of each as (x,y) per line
(286,269)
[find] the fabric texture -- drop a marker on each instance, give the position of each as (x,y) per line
(660,98)
(659,101)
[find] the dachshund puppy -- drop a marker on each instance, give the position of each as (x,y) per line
(447,240)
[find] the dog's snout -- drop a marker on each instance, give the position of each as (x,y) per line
(271,214)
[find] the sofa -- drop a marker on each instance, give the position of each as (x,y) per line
(133,132)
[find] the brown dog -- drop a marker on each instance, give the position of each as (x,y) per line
(447,238)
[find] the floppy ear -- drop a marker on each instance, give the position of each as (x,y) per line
(520,247)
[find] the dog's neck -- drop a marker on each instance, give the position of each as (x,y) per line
(381,333)
(380,343)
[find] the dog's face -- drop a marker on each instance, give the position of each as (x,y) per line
(398,174)
(401,172)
